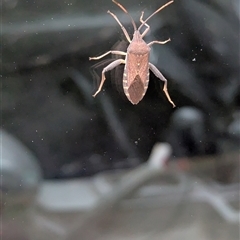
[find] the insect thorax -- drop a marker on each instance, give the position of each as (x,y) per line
(138,48)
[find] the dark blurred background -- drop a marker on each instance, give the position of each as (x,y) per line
(47,82)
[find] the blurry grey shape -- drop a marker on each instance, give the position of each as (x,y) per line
(152,196)
(188,117)
(234,127)
(45,224)
(49,36)
(171,65)
(68,195)
(228,8)
(20,172)
(214,31)
(9,4)
(83,194)
(75,22)
(128,184)
(83,84)
(222,206)
(60,24)
(187,126)
(119,132)
(41,41)
(236,7)
(228,92)
(116,126)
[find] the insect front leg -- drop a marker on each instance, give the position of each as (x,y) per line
(146,25)
(108,68)
(159,42)
(159,75)
(105,54)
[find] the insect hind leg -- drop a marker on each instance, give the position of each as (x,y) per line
(159,75)
(106,69)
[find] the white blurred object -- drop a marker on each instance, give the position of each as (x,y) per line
(152,201)
(20,171)
(84,194)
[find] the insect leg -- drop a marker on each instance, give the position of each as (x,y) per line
(105,54)
(122,27)
(159,75)
(108,68)
(159,42)
(146,25)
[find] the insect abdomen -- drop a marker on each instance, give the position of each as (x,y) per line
(136,90)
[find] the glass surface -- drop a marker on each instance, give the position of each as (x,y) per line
(74,166)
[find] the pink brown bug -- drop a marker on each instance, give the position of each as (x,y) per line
(137,65)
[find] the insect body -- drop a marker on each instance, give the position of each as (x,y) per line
(136,71)
(137,65)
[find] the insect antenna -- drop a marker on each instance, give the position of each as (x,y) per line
(133,23)
(158,10)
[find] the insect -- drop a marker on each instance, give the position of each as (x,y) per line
(137,65)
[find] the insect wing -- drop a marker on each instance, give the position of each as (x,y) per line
(136,76)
